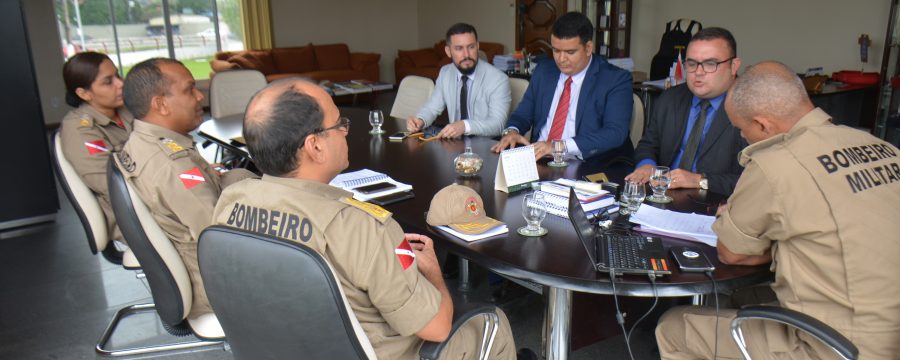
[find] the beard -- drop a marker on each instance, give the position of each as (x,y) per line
(467,71)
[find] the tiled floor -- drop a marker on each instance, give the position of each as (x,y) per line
(56,298)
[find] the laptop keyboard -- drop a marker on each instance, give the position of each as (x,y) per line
(625,251)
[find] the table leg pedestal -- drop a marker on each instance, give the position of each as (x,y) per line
(557,324)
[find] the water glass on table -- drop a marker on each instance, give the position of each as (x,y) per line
(632,197)
(558,150)
(534,210)
(376,119)
(659,183)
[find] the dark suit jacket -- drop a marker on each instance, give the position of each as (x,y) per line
(603,112)
(718,156)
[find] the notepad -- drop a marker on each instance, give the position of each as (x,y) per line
(559,205)
(686,226)
(356,179)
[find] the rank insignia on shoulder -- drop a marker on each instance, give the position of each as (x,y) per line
(376,211)
(85,121)
(170,147)
(126,161)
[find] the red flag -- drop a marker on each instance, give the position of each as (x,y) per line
(405,254)
(191,177)
(96,147)
(679,76)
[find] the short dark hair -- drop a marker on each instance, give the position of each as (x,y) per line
(573,24)
(144,81)
(274,138)
(712,33)
(461,28)
(80,71)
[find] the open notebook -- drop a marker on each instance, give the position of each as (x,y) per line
(357,179)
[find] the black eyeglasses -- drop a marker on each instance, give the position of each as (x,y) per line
(343,124)
(709,66)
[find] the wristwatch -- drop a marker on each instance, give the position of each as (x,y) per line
(508,130)
(704,182)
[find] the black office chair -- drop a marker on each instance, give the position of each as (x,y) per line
(166,274)
(277,299)
(817,329)
(86,207)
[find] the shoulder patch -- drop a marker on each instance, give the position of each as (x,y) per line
(126,161)
(376,211)
(171,148)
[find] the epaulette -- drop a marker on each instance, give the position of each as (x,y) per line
(85,121)
(376,211)
(171,148)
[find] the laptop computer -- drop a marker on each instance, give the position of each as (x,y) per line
(618,253)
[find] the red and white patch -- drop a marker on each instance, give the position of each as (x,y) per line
(191,178)
(405,254)
(96,147)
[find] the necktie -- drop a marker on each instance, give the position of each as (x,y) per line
(690,150)
(562,110)
(464,99)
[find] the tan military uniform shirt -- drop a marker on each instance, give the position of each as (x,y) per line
(179,187)
(826,199)
(87,137)
(374,264)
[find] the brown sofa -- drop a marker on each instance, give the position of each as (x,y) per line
(427,62)
(333,62)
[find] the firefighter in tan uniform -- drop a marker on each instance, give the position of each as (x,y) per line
(822,203)
(392,280)
(178,186)
(97,126)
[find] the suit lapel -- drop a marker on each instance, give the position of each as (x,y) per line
(720,123)
(587,90)
(682,111)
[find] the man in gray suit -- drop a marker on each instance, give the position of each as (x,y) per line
(688,129)
(475,93)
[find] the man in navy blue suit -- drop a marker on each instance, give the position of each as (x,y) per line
(582,100)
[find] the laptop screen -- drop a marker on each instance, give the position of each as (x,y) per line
(583,226)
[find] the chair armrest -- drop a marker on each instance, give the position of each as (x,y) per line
(432,350)
(821,331)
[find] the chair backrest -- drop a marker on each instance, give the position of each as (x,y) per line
(230,91)
(637,120)
(412,93)
(277,299)
(82,198)
(517,89)
(169,282)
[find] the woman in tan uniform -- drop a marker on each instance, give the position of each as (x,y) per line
(97,126)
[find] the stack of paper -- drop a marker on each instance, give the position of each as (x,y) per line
(502,229)
(505,62)
(686,226)
(622,63)
(357,179)
(556,197)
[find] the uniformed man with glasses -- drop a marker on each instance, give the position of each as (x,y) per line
(688,129)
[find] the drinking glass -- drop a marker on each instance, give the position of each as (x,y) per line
(534,210)
(376,118)
(659,183)
(558,149)
(631,198)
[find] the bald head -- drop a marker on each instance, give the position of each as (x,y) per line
(277,121)
(769,89)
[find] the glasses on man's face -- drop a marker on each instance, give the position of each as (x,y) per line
(708,66)
(343,125)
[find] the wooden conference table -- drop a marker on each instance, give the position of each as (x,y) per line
(557,262)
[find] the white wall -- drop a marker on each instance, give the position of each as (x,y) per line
(495,20)
(46,52)
(380,26)
(799,33)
